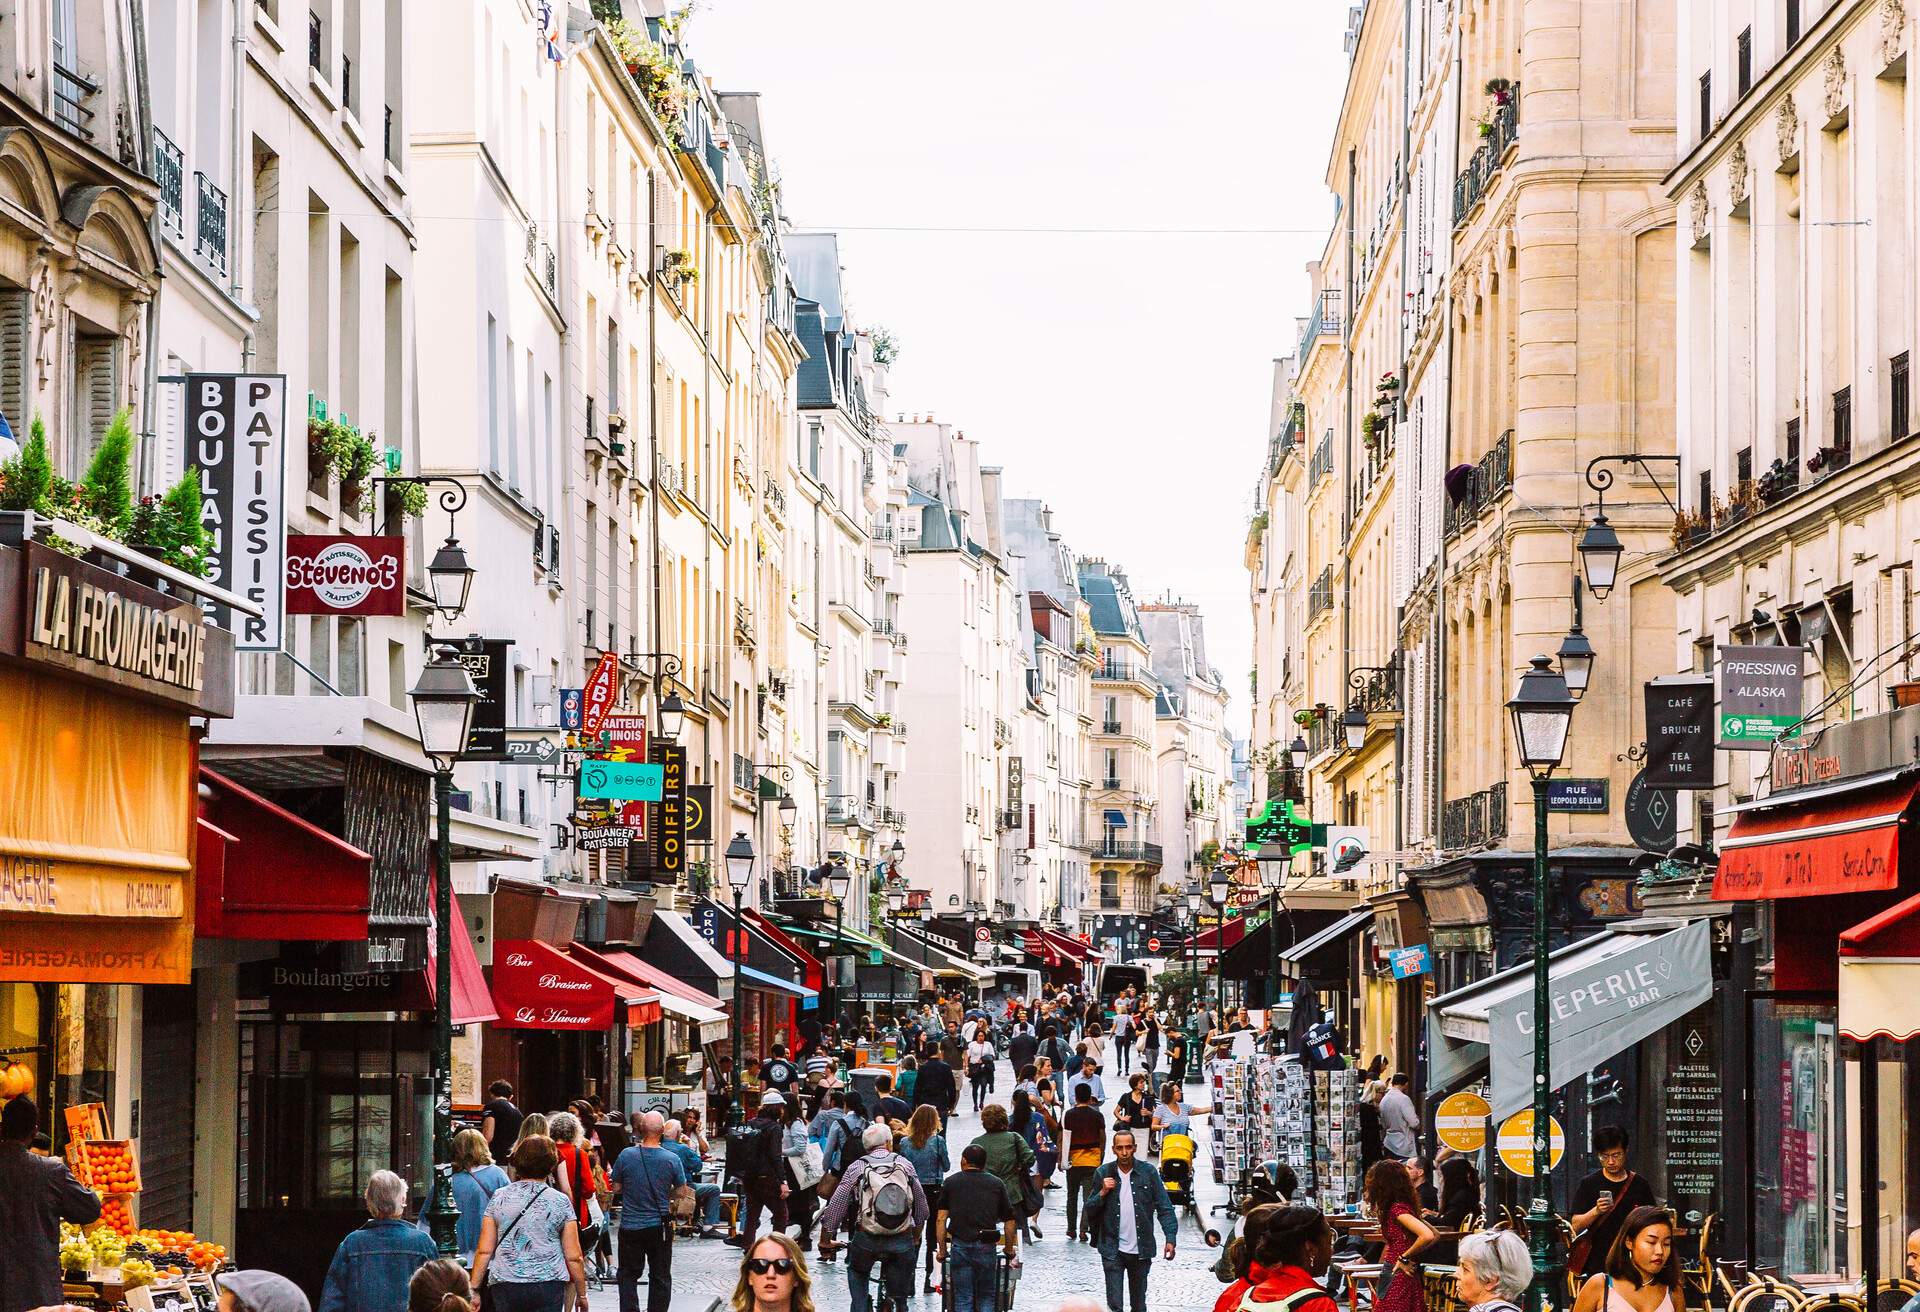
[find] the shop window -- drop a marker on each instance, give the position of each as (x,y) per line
(1799,1166)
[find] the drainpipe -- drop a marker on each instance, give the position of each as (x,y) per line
(150,374)
(1438,805)
(1346,463)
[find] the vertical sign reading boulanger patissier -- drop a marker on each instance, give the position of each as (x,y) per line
(236,439)
(1759,695)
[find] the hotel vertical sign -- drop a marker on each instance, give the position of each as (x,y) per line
(236,439)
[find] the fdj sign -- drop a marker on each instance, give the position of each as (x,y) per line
(1278,823)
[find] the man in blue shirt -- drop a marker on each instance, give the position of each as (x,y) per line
(706,1196)
(644,1177)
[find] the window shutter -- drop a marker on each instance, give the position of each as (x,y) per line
(96,388)
(15,331)
(661,195)
(169,461)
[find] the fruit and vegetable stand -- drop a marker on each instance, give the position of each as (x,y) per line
(114,1260)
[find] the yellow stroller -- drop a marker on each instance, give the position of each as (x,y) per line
(1176,1171)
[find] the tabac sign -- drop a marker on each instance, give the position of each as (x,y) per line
(98,625)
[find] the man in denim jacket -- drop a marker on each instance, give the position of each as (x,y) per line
(372,1266)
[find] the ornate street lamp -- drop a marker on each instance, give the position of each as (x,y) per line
(1576,652)
(789,810)
(839,884)
(1274,859)
(1600,552)
(1218,884)
(672,714)
(1542,711)
(443,703)
(1298,751)
(739,858)
(1354,721)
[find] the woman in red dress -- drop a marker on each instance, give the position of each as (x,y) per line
(1391,1200)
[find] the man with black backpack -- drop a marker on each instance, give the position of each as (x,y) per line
(759,1163)
(1058,1053)
(881,1203)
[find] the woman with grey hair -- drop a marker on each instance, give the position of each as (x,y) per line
(1494,1271)
(372,1266)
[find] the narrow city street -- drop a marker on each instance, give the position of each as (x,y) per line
(1052,1269)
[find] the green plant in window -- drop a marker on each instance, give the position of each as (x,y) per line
(26,480)
(108,484)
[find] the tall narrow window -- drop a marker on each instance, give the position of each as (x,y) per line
(1793,21)
(1706,491)
(1897,399)
(1843,421)
(493,394)
(1706,104)
(15,324)
(1743,52)
(1793,445)
(96,388)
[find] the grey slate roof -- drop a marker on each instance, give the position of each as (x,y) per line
(814,382)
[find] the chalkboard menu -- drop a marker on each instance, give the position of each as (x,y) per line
(1694,1102)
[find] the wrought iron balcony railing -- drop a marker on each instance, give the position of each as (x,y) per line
(1489,480)
(169,170)
(1478,820)
(210,223)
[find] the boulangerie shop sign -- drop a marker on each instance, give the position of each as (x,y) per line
(236,439)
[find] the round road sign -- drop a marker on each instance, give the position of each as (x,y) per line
(981,934)
(1515,1143)
(1461,1121)
(1153,945)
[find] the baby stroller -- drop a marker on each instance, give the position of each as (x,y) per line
(1176,1171)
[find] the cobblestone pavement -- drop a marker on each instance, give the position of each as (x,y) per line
(1053,1270)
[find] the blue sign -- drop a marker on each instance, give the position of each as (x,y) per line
(570,699)
(1409,962)
(622,781)
(1580,796)
(706,919)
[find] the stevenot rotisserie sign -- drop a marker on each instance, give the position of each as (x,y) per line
(337,574)
(96,624)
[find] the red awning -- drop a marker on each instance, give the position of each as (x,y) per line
(647,973)
(262,872)
(471,1001)
(810,965)
(1054,949)
(1845,842)
(644,1011)
(1208,940)
(539,987)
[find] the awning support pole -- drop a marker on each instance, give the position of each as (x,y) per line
(1869,1169)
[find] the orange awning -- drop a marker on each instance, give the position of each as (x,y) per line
(1833,842)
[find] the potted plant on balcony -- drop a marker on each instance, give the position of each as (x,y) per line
(1778,482)
(1501,89)
(1828,458)
(678,268)
(1688,528)
(1304,718)
(353,458)
(1370,429)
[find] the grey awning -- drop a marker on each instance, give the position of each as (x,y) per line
(1608,992)
(1332,934)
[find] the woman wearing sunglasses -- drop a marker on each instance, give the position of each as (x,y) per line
(773,1278)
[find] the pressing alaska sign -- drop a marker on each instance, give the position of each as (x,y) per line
(1759,695)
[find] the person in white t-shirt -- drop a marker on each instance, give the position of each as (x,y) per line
(980,1062)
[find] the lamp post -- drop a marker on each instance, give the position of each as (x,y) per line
(1217,885)
(1274,858)
(1542,711)
(443,702)
(1576,650)
(1194,897)
(839,882)
(1600,547)
(739,875)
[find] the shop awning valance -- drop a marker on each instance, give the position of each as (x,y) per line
(1300,955)
(1608,992)
(1207,941)
(264,873)
(536,986)
(760,979)
(1818,842)
(1880,975)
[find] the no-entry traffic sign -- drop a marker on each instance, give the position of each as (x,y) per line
(1153,944)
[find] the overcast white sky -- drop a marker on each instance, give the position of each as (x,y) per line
(1121,377)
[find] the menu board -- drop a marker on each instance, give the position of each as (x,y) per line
(1694,1113)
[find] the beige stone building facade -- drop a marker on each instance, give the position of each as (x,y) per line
(1797,316)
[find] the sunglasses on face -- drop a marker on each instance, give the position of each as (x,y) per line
(761,1265)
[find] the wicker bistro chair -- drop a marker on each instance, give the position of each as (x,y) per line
(1890,1295)
(1442,1296)
(1765,1294)
(1831,1301)
(1698,1274)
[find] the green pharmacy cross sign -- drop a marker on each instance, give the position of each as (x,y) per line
(1278,822)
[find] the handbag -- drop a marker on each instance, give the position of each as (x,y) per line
(810,1167)
(682,1202)
(1581,1250)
